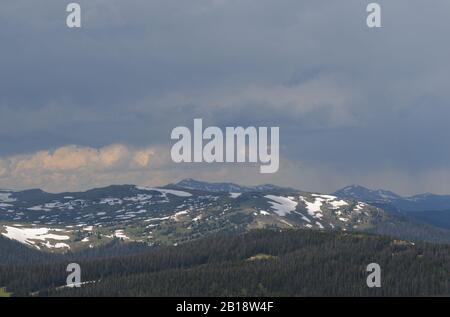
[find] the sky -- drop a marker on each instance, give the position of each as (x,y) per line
(88,107)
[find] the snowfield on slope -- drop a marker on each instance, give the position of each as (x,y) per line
(282,205)
(314,207)
(334,201)
(30,235)
(164,191)
(6,198)
(121,234)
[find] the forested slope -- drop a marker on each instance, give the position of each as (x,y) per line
(258,263)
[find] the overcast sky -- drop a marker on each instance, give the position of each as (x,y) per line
(88,107)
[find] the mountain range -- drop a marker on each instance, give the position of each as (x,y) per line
(191,209)
(190,183)
(429,208)
(418,202)
(194,238)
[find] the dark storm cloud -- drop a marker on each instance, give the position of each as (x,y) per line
(352,102)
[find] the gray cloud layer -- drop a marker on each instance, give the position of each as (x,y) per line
(354,105)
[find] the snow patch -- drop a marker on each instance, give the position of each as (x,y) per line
(319,224)
(235,195)
(178,214)
(338,204)
(27,235)
(178,193)
(314,208)
(360,206)
(6,198)
(120,234)
(282,205)
(111,201)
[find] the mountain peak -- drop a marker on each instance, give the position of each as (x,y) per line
(363,193)
(353,187)
(190,183)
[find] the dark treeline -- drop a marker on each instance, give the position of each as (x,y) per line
(408,227)
(18,260)
(15,253)
(259,263)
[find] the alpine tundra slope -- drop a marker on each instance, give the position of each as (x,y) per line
(185,211)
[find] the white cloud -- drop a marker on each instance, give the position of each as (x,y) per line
(74,167)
